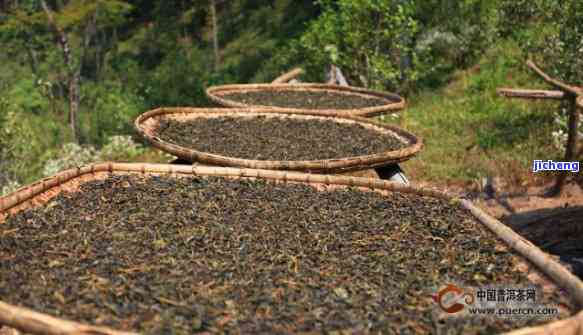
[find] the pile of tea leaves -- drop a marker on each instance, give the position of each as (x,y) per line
(192,254)
(276,138)
(304,99)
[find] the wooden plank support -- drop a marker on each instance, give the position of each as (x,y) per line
(530,94)
(574,97)
(335,76)
(572,136)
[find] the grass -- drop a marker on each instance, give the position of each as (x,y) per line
(470,132)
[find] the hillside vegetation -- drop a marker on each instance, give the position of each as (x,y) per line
(59,109)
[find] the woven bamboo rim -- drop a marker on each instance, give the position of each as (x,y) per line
(33,195)
(146,125)
(394,102)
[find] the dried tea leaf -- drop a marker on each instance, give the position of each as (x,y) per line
(188,255)
(280,138)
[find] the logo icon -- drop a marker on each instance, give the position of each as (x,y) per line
(448,298)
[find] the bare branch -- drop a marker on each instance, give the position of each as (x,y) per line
(284,78)
(556,83)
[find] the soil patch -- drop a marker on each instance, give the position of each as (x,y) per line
(554,224)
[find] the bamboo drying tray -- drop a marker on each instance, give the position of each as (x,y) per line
(36,194)
(146,126)
(394,103)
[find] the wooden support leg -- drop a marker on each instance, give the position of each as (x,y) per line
(392,173)
(180,161)
(572,140)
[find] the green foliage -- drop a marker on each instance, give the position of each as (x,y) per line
(120,148)
(27,95)
(106,13)
(452,35)
(72,155)
(133,56)
(369,40)
(27,141)
(562,51)
(4,143)
(9,187)
(549,31)
(178,80)
(398,45)
(112,112)
(518,15)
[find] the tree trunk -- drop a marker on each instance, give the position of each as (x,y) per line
(573,133)
(73,73)
(98,58)
(213,10)
(90,31)
(32,57)
(74,81)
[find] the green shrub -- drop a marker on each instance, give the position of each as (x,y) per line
(9,187)
(72,155)
(27,95)
(369,40)
(108,110)
(120,148)
(27,140)
(398,45)
(179,80)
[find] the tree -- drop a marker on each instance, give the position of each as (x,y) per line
(557,44)
(80,15)
(563,47)
(72,71)
(4,143)
(215,28)
(22,29)
(551,32)
(368,39)
(27,25)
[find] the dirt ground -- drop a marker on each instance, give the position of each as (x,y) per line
(554,224)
